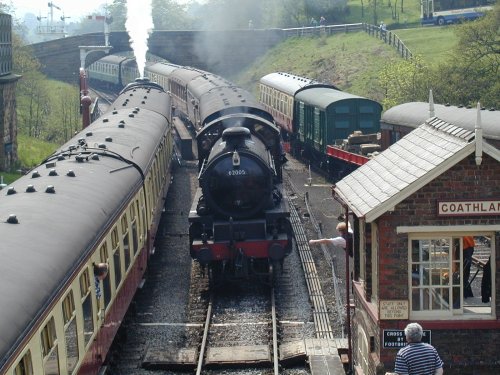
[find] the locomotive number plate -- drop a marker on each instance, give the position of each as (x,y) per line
(236,172)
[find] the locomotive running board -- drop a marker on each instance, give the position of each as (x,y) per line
(258,355)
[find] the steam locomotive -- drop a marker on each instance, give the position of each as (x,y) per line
(239,220)
(97,199)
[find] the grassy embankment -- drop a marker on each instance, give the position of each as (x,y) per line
(351,61)
(31,151)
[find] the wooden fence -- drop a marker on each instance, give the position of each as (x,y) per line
(323,30)
(390,38)
(385,35)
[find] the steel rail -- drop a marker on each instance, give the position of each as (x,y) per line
(275,328)
(205,335)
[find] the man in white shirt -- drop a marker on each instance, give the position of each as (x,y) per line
(344,240)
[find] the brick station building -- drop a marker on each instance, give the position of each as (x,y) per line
(411,207)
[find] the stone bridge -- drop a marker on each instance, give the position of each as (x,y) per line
(221,52)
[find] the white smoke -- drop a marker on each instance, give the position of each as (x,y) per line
(139,25)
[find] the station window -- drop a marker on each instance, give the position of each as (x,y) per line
(49,349)
(70,332)
(450,276)
(88,323)
(25,365)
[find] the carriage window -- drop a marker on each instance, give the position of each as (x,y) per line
(366,123)
(70,332)
(116,257)
(341,124)
(25,366)
(49,349)
(106,282)
(450,276)
(144,222)
(134,209)
(126,244)
(88,323)
(366,109)
(342,109)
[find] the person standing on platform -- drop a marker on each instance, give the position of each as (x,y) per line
(417,358)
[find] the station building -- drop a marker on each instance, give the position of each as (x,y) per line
(412,207)
(8,81)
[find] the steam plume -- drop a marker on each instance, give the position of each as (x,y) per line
(139,25)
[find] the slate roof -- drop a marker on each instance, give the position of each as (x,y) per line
(405,167)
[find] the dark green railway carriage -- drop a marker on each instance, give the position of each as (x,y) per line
(324,116)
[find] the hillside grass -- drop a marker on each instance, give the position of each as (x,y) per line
(434,44)
(351,61)
(31,151)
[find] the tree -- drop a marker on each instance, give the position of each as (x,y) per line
(404,81)
(30,90)
(230,14)
(479,42)
(471,73)
(118,12)
(170,15)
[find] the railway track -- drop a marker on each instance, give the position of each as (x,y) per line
(241,328)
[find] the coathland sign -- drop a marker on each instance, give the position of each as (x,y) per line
(468,208)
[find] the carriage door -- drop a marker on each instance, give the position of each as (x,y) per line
(301,129)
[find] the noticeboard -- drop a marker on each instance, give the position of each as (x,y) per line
(395,338)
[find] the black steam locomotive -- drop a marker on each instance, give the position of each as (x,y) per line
(239,218)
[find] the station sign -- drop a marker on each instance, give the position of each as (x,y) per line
(468,208)
(395,338)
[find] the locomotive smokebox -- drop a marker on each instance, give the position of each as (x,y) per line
(237,180)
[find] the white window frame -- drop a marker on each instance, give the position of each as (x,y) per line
(428,232)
